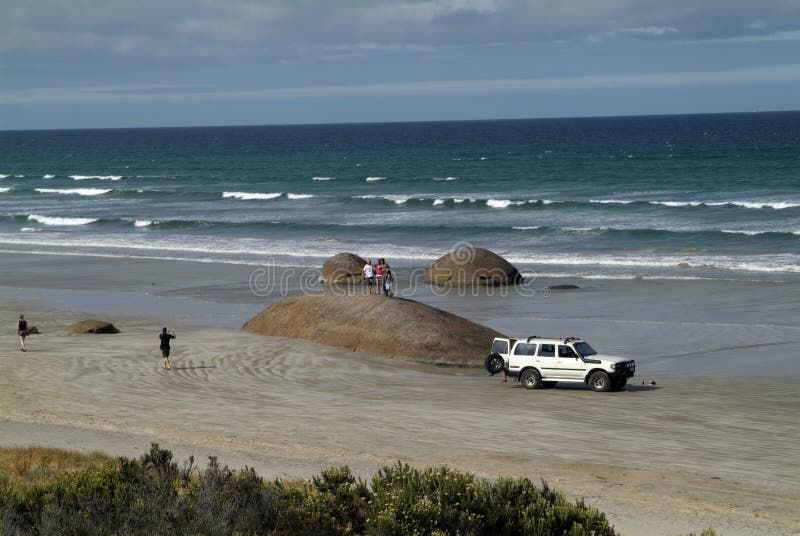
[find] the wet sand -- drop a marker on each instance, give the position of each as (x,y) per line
(691,452)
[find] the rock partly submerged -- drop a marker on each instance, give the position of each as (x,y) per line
(391,327)
(92,326)
(343,268)
(470,266)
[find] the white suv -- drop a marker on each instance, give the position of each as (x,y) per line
(539,362)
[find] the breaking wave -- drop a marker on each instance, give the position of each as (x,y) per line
(97,177)
(73,191)
(52,220)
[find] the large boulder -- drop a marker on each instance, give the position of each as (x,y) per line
(469,266)
(92,326)
(391,327)
(343,268)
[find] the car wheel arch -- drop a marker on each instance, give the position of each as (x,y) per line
(592,371)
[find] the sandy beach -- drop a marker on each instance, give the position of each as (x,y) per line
(695,450)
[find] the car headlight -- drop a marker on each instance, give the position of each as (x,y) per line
(614,366)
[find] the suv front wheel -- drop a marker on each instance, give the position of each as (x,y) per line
(531,379)
(600,381)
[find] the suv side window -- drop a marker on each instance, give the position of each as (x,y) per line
(500,347)
(566,351)
(524,348)
(547,350)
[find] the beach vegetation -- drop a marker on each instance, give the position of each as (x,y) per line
(56,492)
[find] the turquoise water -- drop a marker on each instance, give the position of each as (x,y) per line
(708,196)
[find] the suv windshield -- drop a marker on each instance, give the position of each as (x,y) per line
(585,349)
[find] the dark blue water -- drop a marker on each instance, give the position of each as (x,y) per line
(670,196)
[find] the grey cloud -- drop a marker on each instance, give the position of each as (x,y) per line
(39,32)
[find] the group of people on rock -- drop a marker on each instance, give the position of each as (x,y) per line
(379,276)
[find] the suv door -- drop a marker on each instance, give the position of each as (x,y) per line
(569,364)
(546,361)
(521,355)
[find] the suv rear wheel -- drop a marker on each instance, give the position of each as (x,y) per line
(531,379)
(599,381)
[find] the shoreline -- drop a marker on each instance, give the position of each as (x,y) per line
(711,446)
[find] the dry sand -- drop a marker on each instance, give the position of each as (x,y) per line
(689,453)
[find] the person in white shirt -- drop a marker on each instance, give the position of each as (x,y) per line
(369,275)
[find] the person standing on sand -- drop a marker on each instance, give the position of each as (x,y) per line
(388,279)
(22,331)
(165,337)
(379,267)
(368,275)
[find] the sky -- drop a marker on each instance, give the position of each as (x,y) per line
(143,63)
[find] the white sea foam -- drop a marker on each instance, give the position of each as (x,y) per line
(30,230)
(247,196)
(98,177)
(777,205)
(73,191)
(458,200)
(4,176)
(787,263)
(756,233)
(323,178)
(505,203)
(300,196)
(526,227)
(612,201)
(748,233)
(48,176)
(438,202)
(4,190)
(373,179)
(53,220)
(677,203)
(445,178)
(144,223)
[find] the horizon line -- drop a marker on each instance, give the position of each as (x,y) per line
(356,123)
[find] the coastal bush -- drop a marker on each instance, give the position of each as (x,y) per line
(153,495)
(409,501)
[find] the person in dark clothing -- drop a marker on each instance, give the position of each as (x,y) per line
(22,331)
(388,279)
(165,337)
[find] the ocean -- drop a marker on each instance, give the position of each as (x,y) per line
(658,197)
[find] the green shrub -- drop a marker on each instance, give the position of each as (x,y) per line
(409,501)
(153,495)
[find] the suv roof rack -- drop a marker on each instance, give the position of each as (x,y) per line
(533,337)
